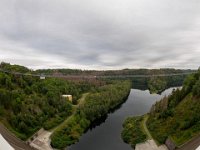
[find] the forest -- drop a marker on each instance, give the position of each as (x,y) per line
(28,103)
(113,72)
(153,83)
(175,117)
(132,132)
(97,104)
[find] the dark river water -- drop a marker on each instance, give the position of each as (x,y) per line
(107,135)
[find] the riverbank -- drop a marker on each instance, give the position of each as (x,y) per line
(95,106)
(106,134)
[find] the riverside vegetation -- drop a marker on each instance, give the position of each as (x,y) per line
(154,84)
(97,104)
(175,117)
(133,132)
(28,103)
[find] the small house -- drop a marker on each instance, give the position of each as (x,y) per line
(42,77)
(67,97)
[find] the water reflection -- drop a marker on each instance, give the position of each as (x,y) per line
(106,133)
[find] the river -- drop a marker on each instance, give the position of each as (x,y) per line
(107,135)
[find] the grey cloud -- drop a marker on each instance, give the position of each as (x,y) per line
(103,34)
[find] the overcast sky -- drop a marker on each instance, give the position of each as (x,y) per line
(100,34)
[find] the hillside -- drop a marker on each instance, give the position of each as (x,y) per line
(97,104)
(28,103)
(113,72)
(148,79)
(141,78)
(177,117)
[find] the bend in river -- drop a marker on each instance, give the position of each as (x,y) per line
(107,136)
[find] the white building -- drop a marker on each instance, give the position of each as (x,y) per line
(4,145)
(42,77)
(68,97)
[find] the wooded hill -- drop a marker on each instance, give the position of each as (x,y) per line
(112,72)
(28,103)
(96,105)
(177,117)
(153,83)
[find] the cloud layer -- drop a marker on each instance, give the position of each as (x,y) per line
(104,34)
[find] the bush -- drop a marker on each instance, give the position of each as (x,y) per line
(132,132)
(196,89)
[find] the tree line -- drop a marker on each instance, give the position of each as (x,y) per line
(28,103)
(178,117)
(97,104)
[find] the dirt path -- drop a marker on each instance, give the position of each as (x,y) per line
(82,99)
(191,145)
(42,141)
(150,144)
(16,143)
(145,127)
(80,102)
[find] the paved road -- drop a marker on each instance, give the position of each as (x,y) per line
(192,145)
(150,145)
(16,143)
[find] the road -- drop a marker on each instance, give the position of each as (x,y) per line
(16,143)
(191,145)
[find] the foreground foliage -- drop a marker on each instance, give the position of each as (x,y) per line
(132,131)
(177,116)
(96,105)
(28,103)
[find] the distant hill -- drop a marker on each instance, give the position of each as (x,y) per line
(113,72)
(147,78)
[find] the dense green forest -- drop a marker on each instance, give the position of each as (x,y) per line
(28,103)
(154,84)
(97,104)
(132,132)
(175,117)
(112,72)
(157,84)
